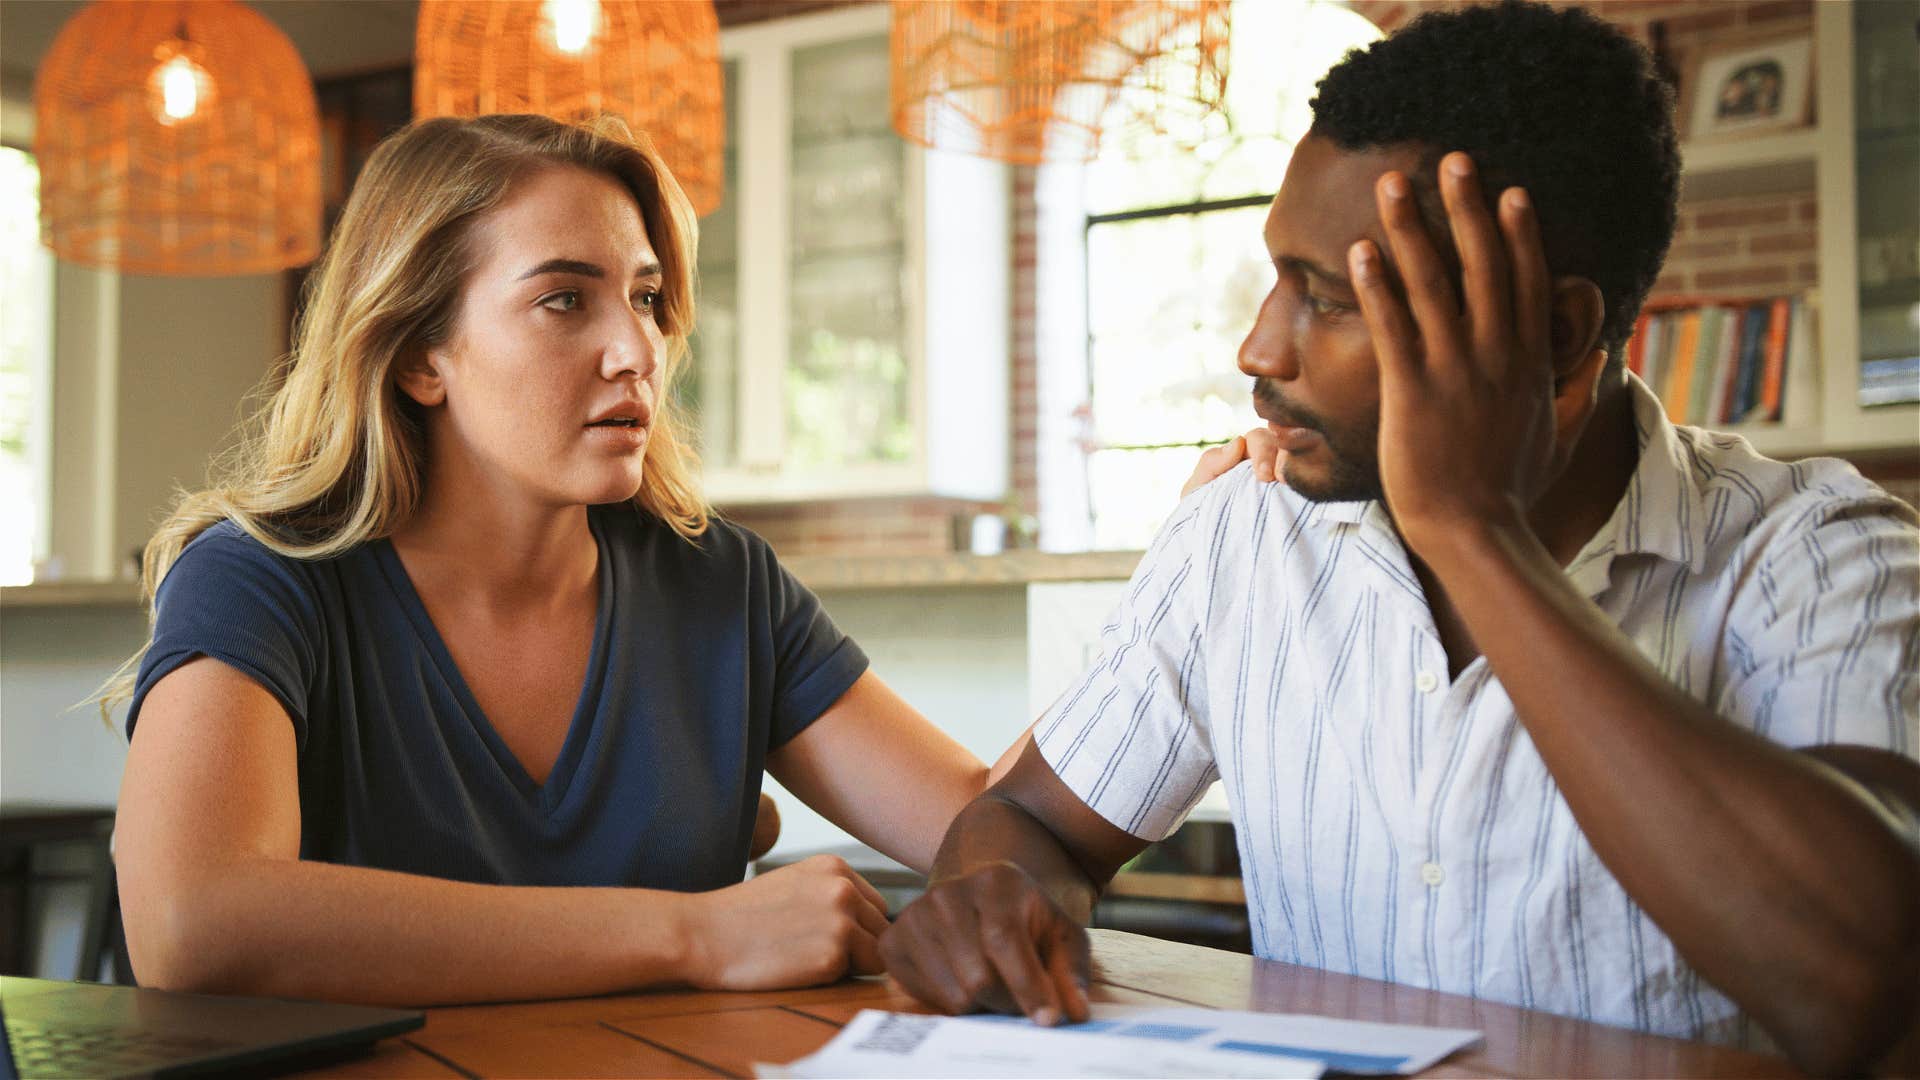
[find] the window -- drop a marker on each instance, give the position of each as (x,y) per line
(1176,269)
(26,370)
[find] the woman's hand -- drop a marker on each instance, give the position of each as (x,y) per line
(801,925)
(1258,445)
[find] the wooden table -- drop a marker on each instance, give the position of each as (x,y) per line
(723,1034)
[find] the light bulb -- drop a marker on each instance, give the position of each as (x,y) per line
(179,87)
(574,23)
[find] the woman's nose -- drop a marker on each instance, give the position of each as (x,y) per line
(631,350)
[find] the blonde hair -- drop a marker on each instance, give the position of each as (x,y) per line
(334,459)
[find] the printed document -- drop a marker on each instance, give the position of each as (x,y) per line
(1124,1041)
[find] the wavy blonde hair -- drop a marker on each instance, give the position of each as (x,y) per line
(334,458)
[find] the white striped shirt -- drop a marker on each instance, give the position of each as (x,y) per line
(1394,825)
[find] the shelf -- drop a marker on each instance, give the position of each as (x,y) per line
(1761,165)
(71,594)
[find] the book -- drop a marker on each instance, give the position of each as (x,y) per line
(1767,407)
(1752,357)
(1679,385)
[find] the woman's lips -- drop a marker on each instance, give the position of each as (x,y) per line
(1294,439)
(618,435)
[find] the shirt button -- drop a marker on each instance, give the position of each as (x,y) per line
(1431,873)
(1426,682)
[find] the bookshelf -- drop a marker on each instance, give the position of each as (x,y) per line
(1822,413)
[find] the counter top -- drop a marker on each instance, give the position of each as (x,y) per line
(822,573)
(71,594)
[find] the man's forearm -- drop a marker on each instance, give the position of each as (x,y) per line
(1785,884)
(993,829)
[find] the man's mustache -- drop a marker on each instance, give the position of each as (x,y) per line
(1271,406)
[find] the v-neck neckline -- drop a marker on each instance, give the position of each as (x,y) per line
(583,728)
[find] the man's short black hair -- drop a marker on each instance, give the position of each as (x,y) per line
(1551,99)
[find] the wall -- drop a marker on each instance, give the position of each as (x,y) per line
(190,351)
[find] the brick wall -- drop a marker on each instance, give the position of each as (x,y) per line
(1735,245)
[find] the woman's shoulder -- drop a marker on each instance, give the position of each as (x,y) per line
(226,567)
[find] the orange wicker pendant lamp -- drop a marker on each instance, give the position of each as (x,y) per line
(653,63)
(177,137)
(1034,82)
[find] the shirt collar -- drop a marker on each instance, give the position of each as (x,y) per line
(1661,513)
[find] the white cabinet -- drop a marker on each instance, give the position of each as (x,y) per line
(854,309)
(1822,413)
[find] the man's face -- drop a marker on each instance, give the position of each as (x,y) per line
(1316,382)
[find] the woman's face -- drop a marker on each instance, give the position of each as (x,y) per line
(548,384)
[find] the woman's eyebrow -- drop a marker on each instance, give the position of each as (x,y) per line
(564,266)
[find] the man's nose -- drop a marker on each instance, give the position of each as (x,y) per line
(1270,349)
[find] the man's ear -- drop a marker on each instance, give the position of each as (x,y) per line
(1579,309)
(417,374)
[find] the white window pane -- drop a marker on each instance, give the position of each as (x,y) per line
(26,353)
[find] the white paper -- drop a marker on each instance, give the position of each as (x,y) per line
(1123,1041)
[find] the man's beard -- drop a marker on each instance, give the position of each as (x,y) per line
(1352,451)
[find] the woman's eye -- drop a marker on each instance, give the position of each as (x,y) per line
(646,302)
(564,300)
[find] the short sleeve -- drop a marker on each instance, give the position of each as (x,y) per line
(1130,736)
(814,663)
(1823,643)
(231,598)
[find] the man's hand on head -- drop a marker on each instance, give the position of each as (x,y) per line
(1258,446)
(1467,420)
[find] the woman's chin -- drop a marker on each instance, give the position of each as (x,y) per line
(611,489)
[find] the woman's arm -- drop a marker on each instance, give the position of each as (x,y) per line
(874,766)
(216,897)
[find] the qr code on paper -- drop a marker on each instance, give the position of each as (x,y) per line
(898,1034)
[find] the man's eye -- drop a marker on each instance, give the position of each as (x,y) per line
(1320,305)
(564,300)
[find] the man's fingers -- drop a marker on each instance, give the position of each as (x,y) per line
(1395,341)
(1532,281)
(1017,962)
(1429,292)
(1069,967)
(923,972)
(1483,259)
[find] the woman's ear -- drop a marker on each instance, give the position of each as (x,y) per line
(417,374)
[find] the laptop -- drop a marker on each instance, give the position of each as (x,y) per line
(76,1029)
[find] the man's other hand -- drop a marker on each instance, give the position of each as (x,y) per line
(991,940)
(1257,445)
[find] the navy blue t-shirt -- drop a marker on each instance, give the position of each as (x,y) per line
(706,655)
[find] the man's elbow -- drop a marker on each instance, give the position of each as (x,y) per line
(1861,1020)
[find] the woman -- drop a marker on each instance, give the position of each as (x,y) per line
(455,691)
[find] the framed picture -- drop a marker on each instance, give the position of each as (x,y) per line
(1754,87)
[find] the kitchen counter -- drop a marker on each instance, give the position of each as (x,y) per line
(822,573)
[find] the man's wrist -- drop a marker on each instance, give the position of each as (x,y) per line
(1472,545)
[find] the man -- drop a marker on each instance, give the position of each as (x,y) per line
(1517,690)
